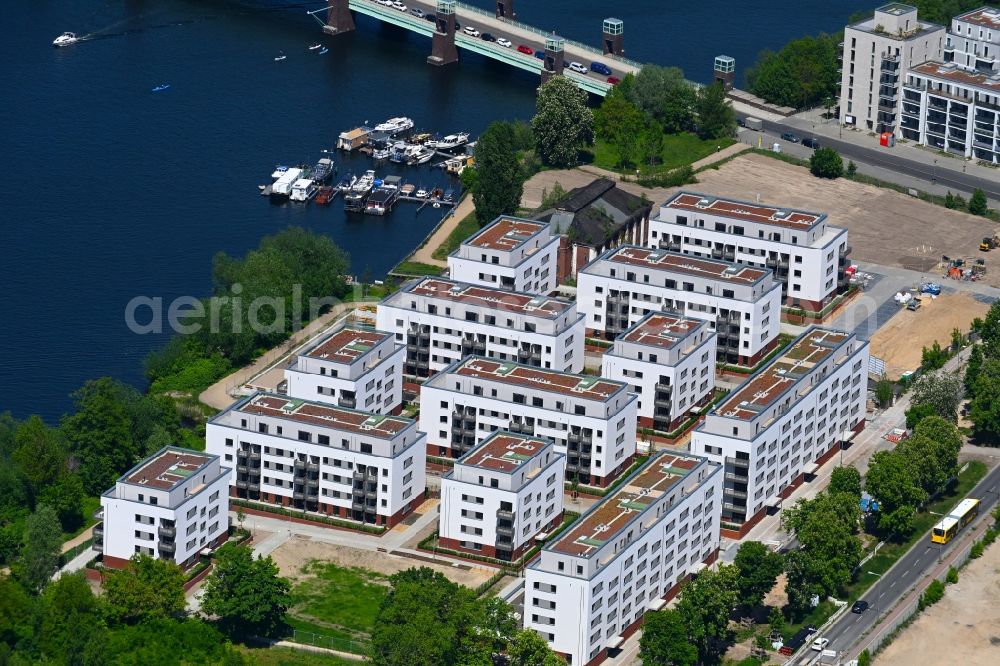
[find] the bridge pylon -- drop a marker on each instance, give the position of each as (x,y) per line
(612,38)
(338,17)
(552,64)
(505,9)
(443,49)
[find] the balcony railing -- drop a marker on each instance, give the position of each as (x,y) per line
(166,547)
(167,532)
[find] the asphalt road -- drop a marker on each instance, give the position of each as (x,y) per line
(944,177)
(846,631)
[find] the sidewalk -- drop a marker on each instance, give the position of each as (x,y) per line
(424,253)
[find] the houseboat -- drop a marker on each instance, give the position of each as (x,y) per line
(282,187)
(303,189)
(353,139)
(382,199)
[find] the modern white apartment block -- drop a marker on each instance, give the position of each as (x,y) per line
(624,556)
(170,506)
(953,109)
(785,421)
(590,419)
(669,361)
(973,42)
(877,54)
(806,253)
(352,367)
(442,321)
(501,495)
(316,457)
(742,304)
(509,253)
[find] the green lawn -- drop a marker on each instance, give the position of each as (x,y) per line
(87,507)
(289,657)
(678,150)
(417,268)
(465,228)
(337,603)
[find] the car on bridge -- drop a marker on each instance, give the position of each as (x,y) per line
(577,67)
(600,68)
(399,5)
(470,31)
(487,37)
(525,49)
(419,13)
(540,55)
(504,42)
(387,3)
(614,80)
(820,644)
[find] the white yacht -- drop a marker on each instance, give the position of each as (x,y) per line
(365,183)
(65,39)
(395,125)
(450,142)
(419,155)
(303,189)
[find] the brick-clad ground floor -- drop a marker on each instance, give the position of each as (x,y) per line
(490,550)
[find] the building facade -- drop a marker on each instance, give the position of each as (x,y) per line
(877,54)
(442,321)
(509,253)
(590,419)
(973,42)
(627,554)
(170,506)
(669,362)
(952,109)
(354,368)
(806,254)
(785,420)
(315,457)
(742,304)
(501,495)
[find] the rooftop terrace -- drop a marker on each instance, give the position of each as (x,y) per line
(503,452)
(507,372)
(663,331)
(611,515)
(736,209)
(988,17)
(682,264)
(763,389)
(167,469)
(505,234)
(346,345)
(486,297)
(315,413)
(953,73)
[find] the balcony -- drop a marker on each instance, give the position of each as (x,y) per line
(99,514)
(312,483)
(300,465)
(98,530)
(97,545)
(255,455)
(742,463)
(166,547)
(732,476)
(503,514)
(241,469)
(347,403)
(505,530)
(254,487)
(241,483)
(167,531)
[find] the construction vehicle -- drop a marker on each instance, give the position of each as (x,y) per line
(990,243)
(913,305)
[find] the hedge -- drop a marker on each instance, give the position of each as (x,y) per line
(282,511)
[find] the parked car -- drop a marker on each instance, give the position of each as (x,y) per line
(859,607)
(741,121)
(504,42)
(809,142)
(387,3)
(820,644)
(399,5)
(430,17)
(525,49)
(419,13)
(540,55)
(614,80)
(790,137)
(470,31)
(600,68)
(487,37)
(578,67)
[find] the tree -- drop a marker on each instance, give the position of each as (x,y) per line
(705,603)
(984,409)
(621,125)
(977,204)
(893,481)
(247,594)
(562,124)
(845,479)
(933,358)
(758,568)
(529,649)
(884,393)
(499,176)
(42,549)
(989,331)
(664,640)
(917,413)
(146,588)
(942,391)
(802,74)
(664,95)
(852,170)
(949,200)
(826,163)
(972,369)
(71,622)
(39,456)
(651,143)
(715,116)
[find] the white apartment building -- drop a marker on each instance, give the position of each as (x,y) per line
(624,556)
(501,495)
(669,361)
(316,457)
(742,304)
(807,255)
(785,421)
(953,109)
(590,419)
(442,321)
(877,54)
(509,253)
(171,506)
(973,43)
(352,367)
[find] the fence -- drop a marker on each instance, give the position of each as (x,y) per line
(330,642)
(73,552)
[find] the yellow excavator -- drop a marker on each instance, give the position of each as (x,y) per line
(990,243)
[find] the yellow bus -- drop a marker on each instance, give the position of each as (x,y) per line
(961,515)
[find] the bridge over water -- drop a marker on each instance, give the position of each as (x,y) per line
(446,31)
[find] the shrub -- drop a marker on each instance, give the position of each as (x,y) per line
(932,595)
(952,577)
(977,550)
(826,163)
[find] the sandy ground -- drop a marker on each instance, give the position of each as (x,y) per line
(292,555)
(900,341)
(962,628)
(424,252)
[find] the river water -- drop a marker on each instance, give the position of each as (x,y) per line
(115,192)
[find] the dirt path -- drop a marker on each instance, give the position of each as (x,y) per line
(424,252)
(962,628)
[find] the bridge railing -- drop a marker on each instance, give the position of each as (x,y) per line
(542,33)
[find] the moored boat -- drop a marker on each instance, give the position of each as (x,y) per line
(395,125)
(322,171)
(281,190)
(450,142)
(347,182)
(365,182)
(325,195)
(303,189)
